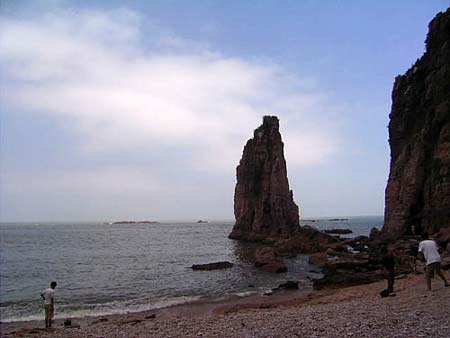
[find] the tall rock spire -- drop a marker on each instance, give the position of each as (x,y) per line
(418,190)
(263,204)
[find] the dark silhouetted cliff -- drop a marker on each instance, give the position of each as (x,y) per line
(418,190)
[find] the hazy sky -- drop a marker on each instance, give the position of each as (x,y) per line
(140,110)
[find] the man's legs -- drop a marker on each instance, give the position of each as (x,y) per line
(428,282)
(390,279)
(47,314)
(429,273)
(51,317)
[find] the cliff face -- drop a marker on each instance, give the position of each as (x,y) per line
(418,190)
(263,204)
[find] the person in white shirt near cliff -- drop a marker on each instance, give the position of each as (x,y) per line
(429,250)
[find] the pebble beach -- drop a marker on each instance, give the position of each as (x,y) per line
(357,311)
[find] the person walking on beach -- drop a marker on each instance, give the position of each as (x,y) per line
(48,295)
(388,263)
(428,249)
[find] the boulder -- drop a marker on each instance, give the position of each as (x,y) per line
(268,259)
(306,240)
(374,234)
(442,237)
(289,285)
(212,266)
(445,264)
(350,262)
(318,259)
(342,278)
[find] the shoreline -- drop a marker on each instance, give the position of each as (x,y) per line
(172,303)
(193,308)
(356,310)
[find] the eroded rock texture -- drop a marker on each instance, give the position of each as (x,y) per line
(418,190)
(263,204)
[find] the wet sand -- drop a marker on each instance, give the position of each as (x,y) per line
(355,311)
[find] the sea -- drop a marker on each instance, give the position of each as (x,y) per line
(104,268)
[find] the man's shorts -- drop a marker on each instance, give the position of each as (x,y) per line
(48,311)
(432,268)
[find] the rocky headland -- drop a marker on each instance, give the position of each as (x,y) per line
(418,190)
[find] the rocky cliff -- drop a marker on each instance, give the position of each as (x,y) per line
(418,190)
(263,204)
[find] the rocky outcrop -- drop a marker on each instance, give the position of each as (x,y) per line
(418,190)
(269,260)
(358,261)
(263,204)
(306,240)
(442,238)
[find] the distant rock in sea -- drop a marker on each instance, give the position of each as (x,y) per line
(418,189)
(135,222)
(338,231)
(263,204)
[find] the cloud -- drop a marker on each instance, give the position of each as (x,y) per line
(81,182)
(105,194)
(127,84)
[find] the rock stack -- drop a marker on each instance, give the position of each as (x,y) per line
(418,190)
(263,204)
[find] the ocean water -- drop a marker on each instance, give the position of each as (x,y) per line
(107,269)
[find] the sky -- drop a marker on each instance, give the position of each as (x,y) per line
(138,110)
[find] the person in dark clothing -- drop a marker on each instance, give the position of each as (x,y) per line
(388,263)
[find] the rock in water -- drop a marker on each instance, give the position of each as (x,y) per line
(289,285)
(212,266)
(338,231)
(263,204)
(418,190)
(269,260)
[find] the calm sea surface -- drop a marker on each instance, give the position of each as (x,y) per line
(105,269)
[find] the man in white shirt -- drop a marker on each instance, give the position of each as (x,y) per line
(428,248)
(48,295)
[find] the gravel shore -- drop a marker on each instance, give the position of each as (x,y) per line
(350,312)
